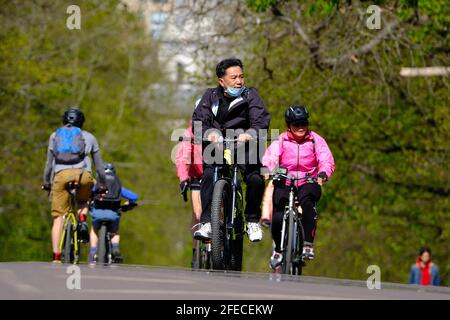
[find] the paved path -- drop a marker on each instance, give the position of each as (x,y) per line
(39,280)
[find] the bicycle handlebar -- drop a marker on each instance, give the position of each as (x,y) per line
(281,177)
(292,177)
(128,207)
(223,140)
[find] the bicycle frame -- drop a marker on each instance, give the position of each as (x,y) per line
(227,216)
(290,208)
(293,215)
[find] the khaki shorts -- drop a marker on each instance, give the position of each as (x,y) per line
(60,194)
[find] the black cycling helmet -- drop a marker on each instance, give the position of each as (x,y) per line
(73,116)
(296,115)
(109,167)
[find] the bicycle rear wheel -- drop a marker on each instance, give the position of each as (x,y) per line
(236,245)
(298,261)
(197,256)
(102,247)
(204,256)
(220,212)
(68,243)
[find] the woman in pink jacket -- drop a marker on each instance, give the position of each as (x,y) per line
(189,165)
(302,152)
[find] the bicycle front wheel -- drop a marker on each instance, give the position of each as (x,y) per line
(220,211)
(289,255)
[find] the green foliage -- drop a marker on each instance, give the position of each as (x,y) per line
(261,5)
(106,69)
(389,135)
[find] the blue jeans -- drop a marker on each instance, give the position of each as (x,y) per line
(99,215)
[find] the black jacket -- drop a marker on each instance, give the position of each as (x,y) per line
(245,112)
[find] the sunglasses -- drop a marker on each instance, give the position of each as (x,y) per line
(299,126)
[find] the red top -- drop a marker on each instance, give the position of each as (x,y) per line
(189,158)
(425,278)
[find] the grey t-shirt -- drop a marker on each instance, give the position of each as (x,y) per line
(91,147)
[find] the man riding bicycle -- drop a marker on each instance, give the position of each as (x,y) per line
(231,105)
(68,161)
(303,152)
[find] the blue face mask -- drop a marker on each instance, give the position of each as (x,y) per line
(234,92)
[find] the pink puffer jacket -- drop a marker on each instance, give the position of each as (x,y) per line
(311,155)
(189,158)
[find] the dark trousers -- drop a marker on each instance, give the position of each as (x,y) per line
(308,195)
(253,197)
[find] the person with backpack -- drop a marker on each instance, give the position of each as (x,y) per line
(106,207)
(303,152)
(68,161)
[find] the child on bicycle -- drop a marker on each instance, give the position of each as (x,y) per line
(303,152)
(189,165)
(106,207)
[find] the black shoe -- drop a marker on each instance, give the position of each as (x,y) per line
(117,259)
(84,232)
(116,256)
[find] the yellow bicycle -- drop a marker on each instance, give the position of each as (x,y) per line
(69,245)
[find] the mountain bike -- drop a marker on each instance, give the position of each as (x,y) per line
(292,232)
(104,245)
(228,222)
(227,215)
(202,255)
(201,258)
(227,212)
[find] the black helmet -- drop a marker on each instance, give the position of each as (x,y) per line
(296,115)
(73,116)
(109,167)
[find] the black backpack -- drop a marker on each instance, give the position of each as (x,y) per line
(112,199)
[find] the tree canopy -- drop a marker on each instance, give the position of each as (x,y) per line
(389,134)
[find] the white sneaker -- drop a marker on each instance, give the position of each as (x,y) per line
(254,231)
(308,252)
(275,260)
(204,233)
